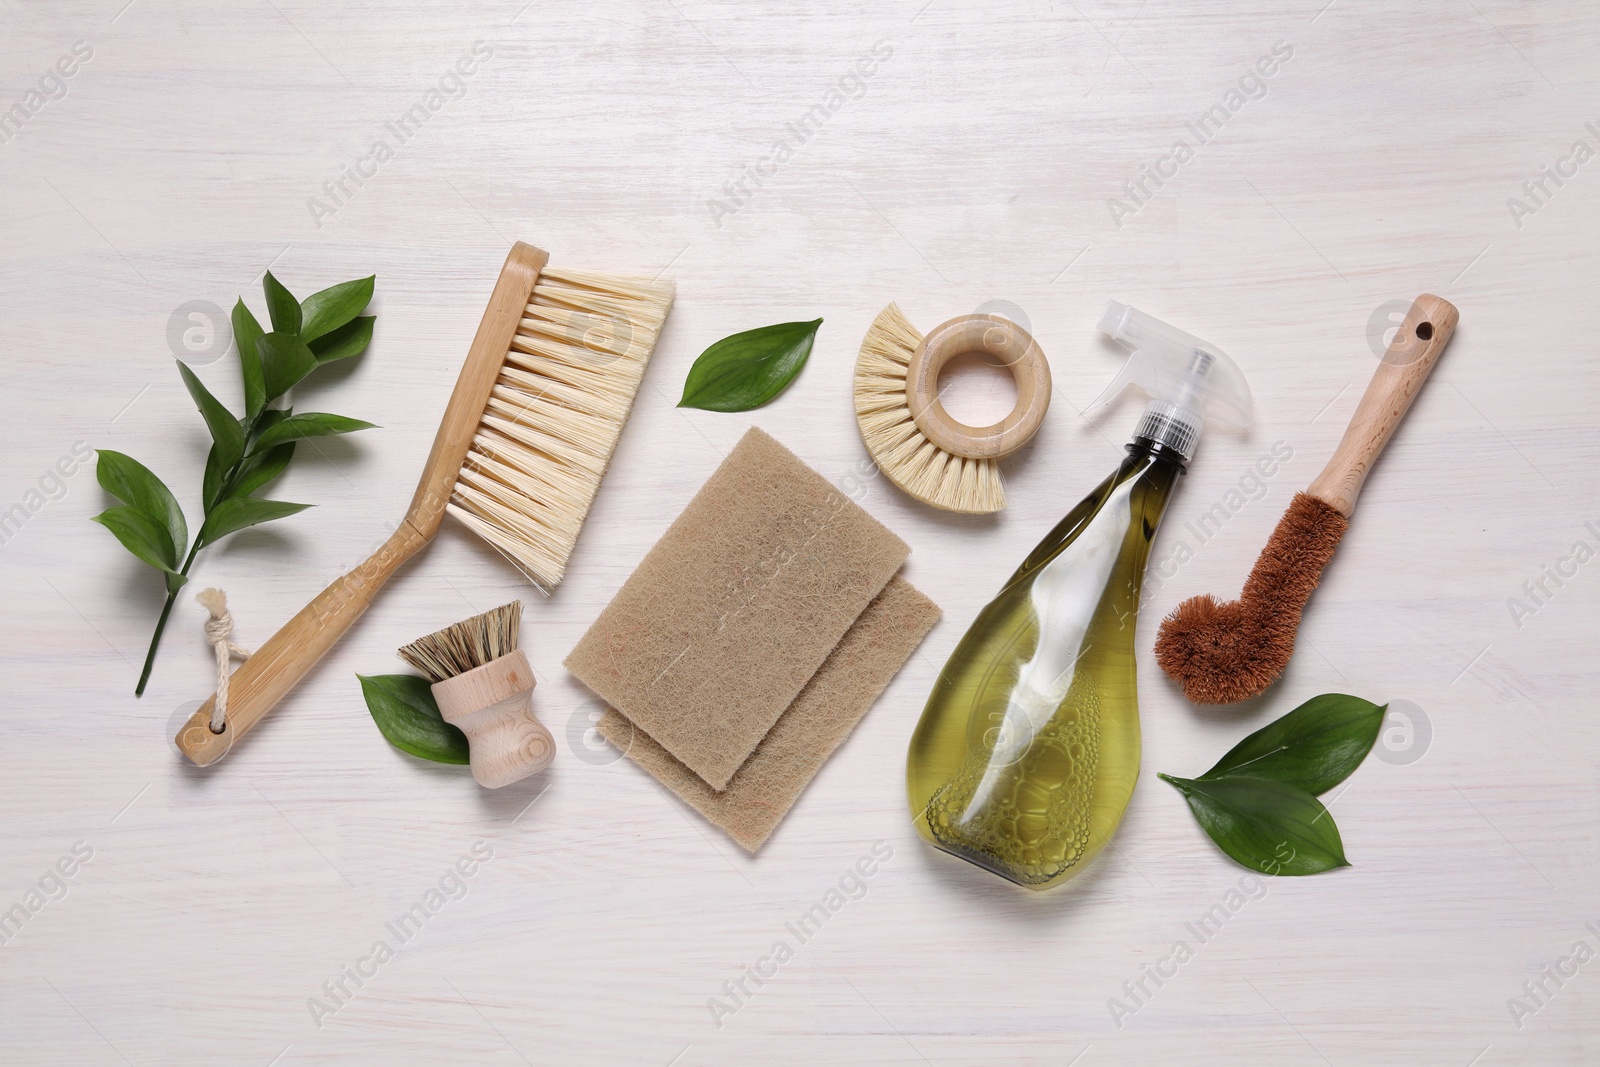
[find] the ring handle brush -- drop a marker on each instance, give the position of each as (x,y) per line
(906,428)
(1012,347)
(1222,653)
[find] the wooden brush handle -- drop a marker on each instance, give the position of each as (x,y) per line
(277,666)
(493,706)
(1008,343)
(487,355)
(1411,357)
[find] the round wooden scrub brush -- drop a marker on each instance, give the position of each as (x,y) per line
(913,439)
(1224,652)
(484,686)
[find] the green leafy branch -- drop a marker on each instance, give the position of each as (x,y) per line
(248,451)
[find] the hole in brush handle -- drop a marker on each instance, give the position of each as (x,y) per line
(1410,359)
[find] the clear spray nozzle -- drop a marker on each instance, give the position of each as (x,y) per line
(1190,382)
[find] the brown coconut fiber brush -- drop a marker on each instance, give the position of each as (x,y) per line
(1224,652)
(527,435)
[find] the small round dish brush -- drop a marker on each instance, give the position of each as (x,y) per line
(908,432)
(1224,652)
(484,686)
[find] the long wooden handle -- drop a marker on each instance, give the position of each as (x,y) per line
(277,666)
(1411,357)
(289,654)
(512,291)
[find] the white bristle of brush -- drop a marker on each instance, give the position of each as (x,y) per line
(466,645)
(911,461)
(555,415)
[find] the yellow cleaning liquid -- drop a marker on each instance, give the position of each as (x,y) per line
(1027,753)
(1028,750)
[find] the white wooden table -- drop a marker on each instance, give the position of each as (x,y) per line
(978,163)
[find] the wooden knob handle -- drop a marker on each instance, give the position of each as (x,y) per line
(1015,349)
(493,706)
(1411,357)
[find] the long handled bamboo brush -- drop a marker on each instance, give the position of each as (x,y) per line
(527,435)
(484,686)
(1226,652)
(908,432)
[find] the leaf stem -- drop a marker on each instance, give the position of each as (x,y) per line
(161,623)
(172,596)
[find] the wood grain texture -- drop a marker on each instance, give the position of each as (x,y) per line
(493,706)
(278,665)
(1406,364)
(1011,348)
(899,450)
(479,370)
(969,171)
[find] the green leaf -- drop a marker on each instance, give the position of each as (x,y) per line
(261,469)
(247,335)
(258,468)
(272,416)
(225,429)
(285,359)
(322,313)
(237,512)
(748,369)
(311,424)
(211,482)
(1314,747)
(283,308)
(141,535)
(1266,826)
(351,339)
(137,486)
(408,717)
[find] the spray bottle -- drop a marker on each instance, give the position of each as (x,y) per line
(1027,752)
